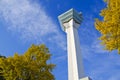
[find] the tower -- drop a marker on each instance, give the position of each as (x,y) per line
(70,22)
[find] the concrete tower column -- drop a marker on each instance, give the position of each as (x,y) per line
(70,22)
(75,64)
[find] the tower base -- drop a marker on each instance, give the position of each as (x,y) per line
(85,78)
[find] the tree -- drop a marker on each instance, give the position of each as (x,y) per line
(2,56)
(32,65)
(1,75)
(109,27)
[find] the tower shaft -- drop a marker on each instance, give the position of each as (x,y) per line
(74,56)
(70,22)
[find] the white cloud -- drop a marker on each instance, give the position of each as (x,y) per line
(99,64)
(116,76)
(97,47)
(31,21)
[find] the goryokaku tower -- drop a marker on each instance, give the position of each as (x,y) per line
(70,22)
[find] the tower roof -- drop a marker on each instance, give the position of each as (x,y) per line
(68,15)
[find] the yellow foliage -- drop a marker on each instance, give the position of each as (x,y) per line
(110,26)
(32,65)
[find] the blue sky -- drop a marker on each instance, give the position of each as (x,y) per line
(24,22)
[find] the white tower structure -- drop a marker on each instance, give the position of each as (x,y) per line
(70,22)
